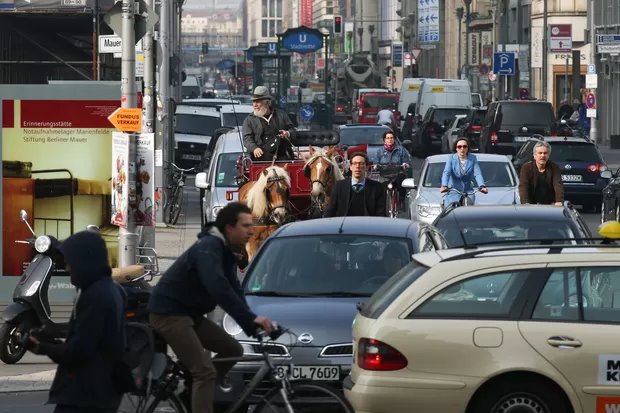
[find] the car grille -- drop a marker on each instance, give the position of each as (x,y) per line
(275,350)
(337,350)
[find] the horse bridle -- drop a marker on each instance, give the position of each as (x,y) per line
(316,202)
(274,180)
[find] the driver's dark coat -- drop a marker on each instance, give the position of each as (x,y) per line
(253,132)
(96,337)
(339,203)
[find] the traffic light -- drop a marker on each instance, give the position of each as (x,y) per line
(205,48)
(337,24)
(414,70)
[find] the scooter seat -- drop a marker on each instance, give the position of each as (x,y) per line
(127,274)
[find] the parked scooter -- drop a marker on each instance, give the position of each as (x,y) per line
(31,309)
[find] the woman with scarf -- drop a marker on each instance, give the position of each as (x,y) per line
(461,169)
(395,154)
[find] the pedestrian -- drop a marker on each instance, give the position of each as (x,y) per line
(540,180)
(85,380)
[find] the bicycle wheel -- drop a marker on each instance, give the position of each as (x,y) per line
(169,207)
(151,404)
(388,204)
(307,398)
(177,206)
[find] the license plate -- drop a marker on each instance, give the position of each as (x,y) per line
(191,157)
(520,138)
(326,373)
(572,178)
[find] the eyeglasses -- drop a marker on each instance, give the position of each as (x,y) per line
(358,163)
(461,147)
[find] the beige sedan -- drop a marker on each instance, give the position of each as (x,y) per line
(523,329)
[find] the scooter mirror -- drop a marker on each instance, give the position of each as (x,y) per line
(92,228)
(23,215)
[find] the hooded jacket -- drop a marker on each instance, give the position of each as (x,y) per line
(96,337)
(202,278)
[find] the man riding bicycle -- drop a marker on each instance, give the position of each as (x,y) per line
(386,117)
(392,153)
(461,169)
(203,277)
(540,180)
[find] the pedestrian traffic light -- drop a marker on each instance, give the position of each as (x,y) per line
(205,48)
(337,24)
(414,70)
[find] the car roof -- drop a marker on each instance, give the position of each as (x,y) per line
(372,226)
(242,108)
(210,100)
(487,157)
(197,110)
(521,102)
(560,139)
(517,212)
(436,107)
(363,125)
(230,142)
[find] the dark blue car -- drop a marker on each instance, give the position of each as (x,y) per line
(309,276)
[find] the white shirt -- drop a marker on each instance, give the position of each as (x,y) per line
(386,115)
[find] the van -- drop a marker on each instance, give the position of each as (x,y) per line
(409,91)
(357,98)
(190,89)
(372,103)
(442,92)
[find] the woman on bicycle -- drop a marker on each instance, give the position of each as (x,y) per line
(394,154)
(461,169)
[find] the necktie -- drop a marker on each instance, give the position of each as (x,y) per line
(358,188)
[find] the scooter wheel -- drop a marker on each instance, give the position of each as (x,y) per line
(10,351)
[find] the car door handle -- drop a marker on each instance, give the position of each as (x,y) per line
(564,342)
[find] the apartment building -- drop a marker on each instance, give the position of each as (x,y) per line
(265,20)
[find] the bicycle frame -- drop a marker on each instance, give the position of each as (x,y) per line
(461,201)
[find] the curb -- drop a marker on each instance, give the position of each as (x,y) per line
(40,381)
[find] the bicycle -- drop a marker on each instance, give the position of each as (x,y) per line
(465,199)
(164,387)
(388,173)
(174,201)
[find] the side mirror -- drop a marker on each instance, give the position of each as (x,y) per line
(510,157)
(201,181)
(563,122)
(606,175)
(409,183)
(23,215)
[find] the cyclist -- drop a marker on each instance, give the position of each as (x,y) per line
(461,169)
(386,117)
(393,153)
(203,277)
(540,180)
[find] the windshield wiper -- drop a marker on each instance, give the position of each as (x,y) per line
(277,294)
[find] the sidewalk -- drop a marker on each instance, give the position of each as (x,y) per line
(170,242)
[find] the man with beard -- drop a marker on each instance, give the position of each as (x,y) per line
(267,132)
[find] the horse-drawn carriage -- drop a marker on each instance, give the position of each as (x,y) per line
(283,191)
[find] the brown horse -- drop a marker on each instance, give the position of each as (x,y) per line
(323,171)
(268,197)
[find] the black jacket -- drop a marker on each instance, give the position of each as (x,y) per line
(96,337)
(253,133)
(339,201)
(202,278)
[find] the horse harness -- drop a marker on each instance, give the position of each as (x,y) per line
(271,181)
(318,203)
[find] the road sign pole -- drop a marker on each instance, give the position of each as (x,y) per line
(593,130)
(128,238)
(566,88)
(165,141)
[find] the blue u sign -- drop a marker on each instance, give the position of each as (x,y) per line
(303,42)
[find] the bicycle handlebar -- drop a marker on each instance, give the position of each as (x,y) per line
(447,190)
(181,169)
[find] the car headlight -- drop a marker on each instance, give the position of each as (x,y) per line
(42,244)
(216,210)
(230,326)
(427,210)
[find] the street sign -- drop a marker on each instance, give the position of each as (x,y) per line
(127,119)
(416,53)
(590,101)
(492,77)
(302,40)
(561,38)
(608,38)
(397,55)
(483,69)
(306,112)
(272,49)
(113,44)
(609,48)
(591,69)
(283,100)
(504,63)
(145,19)
(524,93)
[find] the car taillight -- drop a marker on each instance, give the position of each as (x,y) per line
(375,355)
(554,134)
(474,129)
(494,137)
(339,108)
(597,167)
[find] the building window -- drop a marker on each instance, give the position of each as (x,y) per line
(264,8)
(264,31)
(279,7)
(272,28)
(272,8)
(279,26)
(329,10)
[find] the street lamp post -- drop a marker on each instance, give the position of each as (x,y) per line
(467,16)
(459,16)
(544,51)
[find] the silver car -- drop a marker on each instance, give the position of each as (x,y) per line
(221,174)
(425,199)
(450,135)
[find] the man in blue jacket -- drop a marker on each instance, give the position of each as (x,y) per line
(204,277)
(84,381)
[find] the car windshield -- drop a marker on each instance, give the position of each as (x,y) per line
(336,265)
(196,124)
(243,98)
(379,101)
(539,114)
(488,230)
(495,174)
(227,170)
(478,117)
(442,115)
(476,100)
(234,119)
(371,135)
(574,152)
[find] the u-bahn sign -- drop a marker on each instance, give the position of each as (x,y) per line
(302,40)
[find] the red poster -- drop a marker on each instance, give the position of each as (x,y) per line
(306,13)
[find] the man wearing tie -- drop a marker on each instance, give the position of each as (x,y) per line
(358,196)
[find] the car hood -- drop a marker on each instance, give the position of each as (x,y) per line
(328,319)
(496,196)
(184,137)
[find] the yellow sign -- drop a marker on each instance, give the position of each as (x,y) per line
(127,119)
(438,89)
(413,87)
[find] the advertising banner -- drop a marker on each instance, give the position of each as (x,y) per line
(120,172)
(305,17)
(145,182)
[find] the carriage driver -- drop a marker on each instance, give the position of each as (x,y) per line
(262,127)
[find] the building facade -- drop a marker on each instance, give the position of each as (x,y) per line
(265,20)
